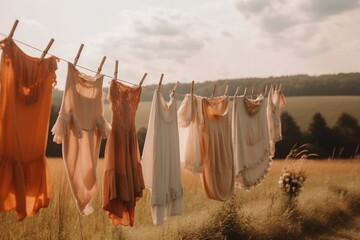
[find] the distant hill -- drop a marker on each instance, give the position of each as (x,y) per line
(342,84)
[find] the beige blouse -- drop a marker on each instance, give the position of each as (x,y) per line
(79,128)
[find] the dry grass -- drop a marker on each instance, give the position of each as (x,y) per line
(329,200)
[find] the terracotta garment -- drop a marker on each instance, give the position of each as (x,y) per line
(79,128)
(251,141)
(276,100)
(161,160)
(208,144)
(25,102)
(123,179)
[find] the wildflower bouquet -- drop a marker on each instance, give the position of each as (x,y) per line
(292,181)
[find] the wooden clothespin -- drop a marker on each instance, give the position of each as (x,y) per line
(46,49)
(280,87)
(116,69)
(252,92)
(236,92)
(226,90)
(101,65)
(213,91)
(142,80)
(175,86)
(13,28)
(161,78)
(258,92)
(78,54)
(192,88)
(245,90)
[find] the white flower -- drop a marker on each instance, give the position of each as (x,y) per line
(301,179)
(287,179)
(287,186)
(295,181)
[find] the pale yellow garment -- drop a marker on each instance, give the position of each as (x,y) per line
(276,100)
(212,152)
(25,102)
(79,128)
(251,141)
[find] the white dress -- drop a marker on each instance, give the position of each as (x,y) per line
(79,128)
(276,100)
(250,140)
(161,160)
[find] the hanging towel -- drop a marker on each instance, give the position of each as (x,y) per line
(25,103)
(79,128)
(251,141)
(123,179)
(161,160)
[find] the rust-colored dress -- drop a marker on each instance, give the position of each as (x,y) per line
(25,102)
(123,179)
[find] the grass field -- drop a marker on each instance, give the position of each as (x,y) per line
(302,109)
(328,205)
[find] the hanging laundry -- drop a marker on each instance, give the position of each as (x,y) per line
(161,160)
(189,120)
(25,102)
(123,179)
(275,102)
(250,140)
(209,148)
(79,128)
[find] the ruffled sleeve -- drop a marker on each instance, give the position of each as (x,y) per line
(103,126)
(61,127)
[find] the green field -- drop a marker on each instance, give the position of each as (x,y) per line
(328,205)
(301,109)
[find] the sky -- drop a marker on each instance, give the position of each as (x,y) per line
(196,40)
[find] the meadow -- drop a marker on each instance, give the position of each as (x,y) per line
(327,208)
(302,109)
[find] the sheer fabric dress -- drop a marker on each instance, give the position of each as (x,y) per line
(251,141)
(25,102)
(79,128)
(161,160)
(123,179)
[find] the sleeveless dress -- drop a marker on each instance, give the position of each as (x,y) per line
(25,103)
(161,160)
(79,128)
(123,180)
(208,143)
(251,141)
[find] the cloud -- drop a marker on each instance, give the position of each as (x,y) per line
(319,9)
(295,24)
(154,34)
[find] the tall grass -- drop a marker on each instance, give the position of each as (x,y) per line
(328,201)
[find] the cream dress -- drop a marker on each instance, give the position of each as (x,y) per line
(161,160)
(250,140)
(276,100)
(79,128)
(208,143)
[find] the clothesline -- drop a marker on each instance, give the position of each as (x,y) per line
(82,67)
(93,71)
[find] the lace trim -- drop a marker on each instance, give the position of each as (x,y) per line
(163,199)
(103,126)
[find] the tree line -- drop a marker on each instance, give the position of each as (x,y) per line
(340,141)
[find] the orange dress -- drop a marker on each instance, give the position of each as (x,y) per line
(25,102)
(123,179)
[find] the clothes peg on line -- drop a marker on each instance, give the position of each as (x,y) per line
(236,92)
(258,92)
(78,54)
(265,91)
(46,49)
(280,87)
(101,65)
(142,80)
(226,90)
(252,92)
(213,91)
(13,28)
(116,69)
(161,78)
(245,92)
(175,86)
